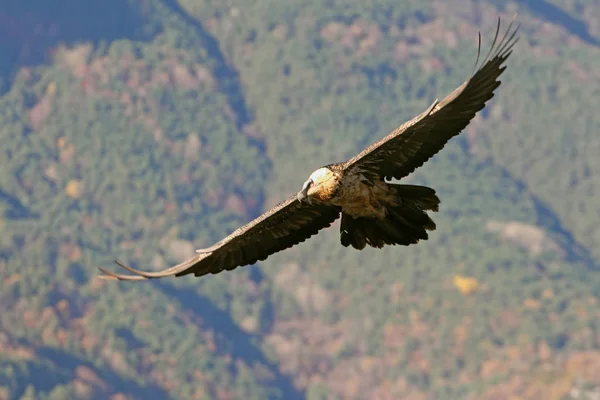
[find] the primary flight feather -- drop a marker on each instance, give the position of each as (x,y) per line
(373,211)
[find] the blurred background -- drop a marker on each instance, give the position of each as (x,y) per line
(142,130)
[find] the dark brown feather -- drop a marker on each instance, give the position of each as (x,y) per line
(284,226)
(395,156)
(419,139)
(406,221)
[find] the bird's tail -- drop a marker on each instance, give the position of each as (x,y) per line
(406,222)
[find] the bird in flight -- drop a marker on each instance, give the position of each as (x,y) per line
(373,211)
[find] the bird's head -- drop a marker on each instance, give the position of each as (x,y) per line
(320,185)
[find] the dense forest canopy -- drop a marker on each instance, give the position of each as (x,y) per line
(142,130)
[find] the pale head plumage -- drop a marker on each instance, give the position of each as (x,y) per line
(319,184)
(356,189)
(321,175)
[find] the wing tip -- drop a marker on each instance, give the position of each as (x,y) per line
(112,276)
(107,276)
(500,48)
(136,275)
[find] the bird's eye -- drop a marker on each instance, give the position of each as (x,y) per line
(307,184)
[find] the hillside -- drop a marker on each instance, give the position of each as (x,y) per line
(143,130)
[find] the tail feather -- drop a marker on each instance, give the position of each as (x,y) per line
(407,221)
(420,197)
(352,233)
(410,218)
(374,236)
(398,234)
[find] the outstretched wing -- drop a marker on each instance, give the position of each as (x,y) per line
(284,226)
(416,141)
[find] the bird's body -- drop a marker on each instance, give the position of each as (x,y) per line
(356,196)
(361,200)
(350,191)
(373,211)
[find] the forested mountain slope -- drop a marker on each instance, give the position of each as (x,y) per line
(141,130)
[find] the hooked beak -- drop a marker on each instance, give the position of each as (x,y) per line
(302,195)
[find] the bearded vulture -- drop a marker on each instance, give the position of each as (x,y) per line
(373,211)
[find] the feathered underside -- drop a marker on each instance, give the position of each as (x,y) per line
(395,156)
(416,141)
(282,227)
